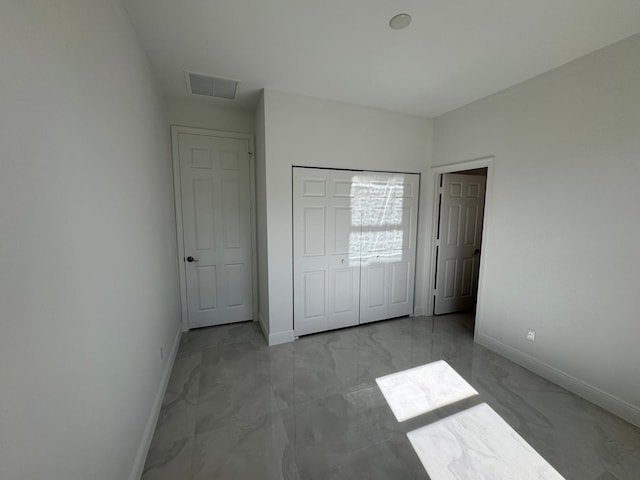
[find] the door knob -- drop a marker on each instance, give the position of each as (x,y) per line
(476,251)
(191,259)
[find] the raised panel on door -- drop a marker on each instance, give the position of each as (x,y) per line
(452,215)
(343,235)
(231,218)
(400,283)
(376,291)
(313,231)
(405,237)
(202,226)
(235,278)
(472,225)
(466,277)
(449,276)
(461,216)
(313,289)
(216,213)
(342,291)
(207,287)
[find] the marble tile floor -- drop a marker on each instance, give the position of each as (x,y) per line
(238,409)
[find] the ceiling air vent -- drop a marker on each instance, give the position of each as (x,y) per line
(199,84)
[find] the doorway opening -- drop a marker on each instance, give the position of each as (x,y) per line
(458,236)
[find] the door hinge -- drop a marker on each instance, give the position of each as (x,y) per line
(435,270)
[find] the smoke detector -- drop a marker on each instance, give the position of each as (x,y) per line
(210,86)
(400,21)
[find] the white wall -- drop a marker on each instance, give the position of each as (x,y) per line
(199,113)
(261,217)
(88,282)
(312,132)
(561,255)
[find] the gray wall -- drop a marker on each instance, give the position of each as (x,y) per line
(88,283)
(202,114)
(561,255)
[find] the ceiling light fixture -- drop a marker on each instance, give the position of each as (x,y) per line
(400,21)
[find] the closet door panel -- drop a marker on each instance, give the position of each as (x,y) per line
(344,260)
(326,260)
(310,239)
(389,245)
(402,266)
(377,245)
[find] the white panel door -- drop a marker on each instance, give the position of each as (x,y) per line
(459,240)
(216,214)
(389,226)
(326,226)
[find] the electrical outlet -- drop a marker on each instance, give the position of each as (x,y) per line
(161,354)
(531,335)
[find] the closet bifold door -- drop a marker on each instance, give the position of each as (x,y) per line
(326,249)
(388,244)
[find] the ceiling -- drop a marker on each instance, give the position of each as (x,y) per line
(454,51)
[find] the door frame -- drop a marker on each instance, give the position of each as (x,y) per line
(458,167)
(177,197)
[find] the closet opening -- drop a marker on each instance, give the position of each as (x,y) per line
(354,246)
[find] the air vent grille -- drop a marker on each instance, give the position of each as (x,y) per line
(211,86)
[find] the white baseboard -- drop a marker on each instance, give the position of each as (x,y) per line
(615,405)
(281,337)
(150,427)
(275,338)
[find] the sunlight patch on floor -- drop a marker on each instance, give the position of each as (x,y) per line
(478,444)
(423,389)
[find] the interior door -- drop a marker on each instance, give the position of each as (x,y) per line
(216,215)
(326,226)
(459,241)
(389,226)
